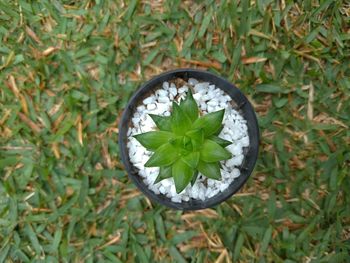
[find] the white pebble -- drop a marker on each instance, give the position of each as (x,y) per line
(202,85)
(173,91)
(183,89)
(141,108)
(165,85)
(197,96)
(245,141)
(162,93)
(192,81)
(235,161)
(149,100)
(212,103)
(164,100)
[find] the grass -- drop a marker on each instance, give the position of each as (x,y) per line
(67,70)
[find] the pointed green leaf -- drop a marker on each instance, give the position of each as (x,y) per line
(182,174)
(189,106)
(164,172)
(197,138)
(187,143)
(210,122)
(191,159)
(210,170)
(165,155)
(213,152)
(162,122)
(154,139)
(220,141)
(197,134)
(177,141)
(219,130)
(194,177)
(180,122)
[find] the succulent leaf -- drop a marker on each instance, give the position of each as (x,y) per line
(189,106)
(164,173)
(180,122)
(162,122)
(187,143)
(197,137)
(210,122)
(210,170)
(194,177)
(219,130)
(154,139)
(165,155)
(213,152)
(177,141)
(220,141)
(191,159)
(182,174)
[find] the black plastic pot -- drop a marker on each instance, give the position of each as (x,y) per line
(246,109)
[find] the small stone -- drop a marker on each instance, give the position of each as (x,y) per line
(223,187)
(135,121)
(173,189)
(212,103)
(183,89)
(228,98)
(162,107)
(151,106)
(149,100)
(192,81)
(210,108)
(205,98)
(166,182)
(186,198)
(235,148)
(223,105)
(245,141)
(162,93)
(164,99)
(141,108)
(197,96)
(202,85)
(235,161)
(165,85)
(173,91)
(162,189)
(235,173)
(176,199)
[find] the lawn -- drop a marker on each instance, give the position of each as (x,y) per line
(67,70)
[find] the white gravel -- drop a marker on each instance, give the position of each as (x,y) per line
(209,98)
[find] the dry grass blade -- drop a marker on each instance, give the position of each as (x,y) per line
(252,60)
(34,127)
(49,51)
(33,35)
(112,241)
(310,109)
(212,64)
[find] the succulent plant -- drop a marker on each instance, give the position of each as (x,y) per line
(186,144)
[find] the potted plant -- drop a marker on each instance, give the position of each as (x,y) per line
(188,139)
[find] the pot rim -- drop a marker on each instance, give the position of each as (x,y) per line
(246,110)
